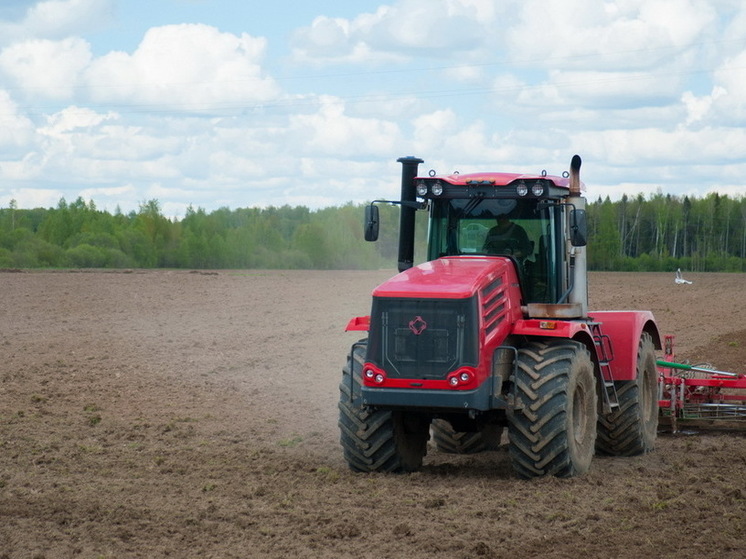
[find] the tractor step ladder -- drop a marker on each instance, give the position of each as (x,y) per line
(605,354)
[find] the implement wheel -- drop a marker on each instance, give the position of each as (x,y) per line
(448,440)
(633,427)
(552,429)
(377,440)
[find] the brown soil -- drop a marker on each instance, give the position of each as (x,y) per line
(177,414)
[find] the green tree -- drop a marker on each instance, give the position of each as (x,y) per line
(604,252)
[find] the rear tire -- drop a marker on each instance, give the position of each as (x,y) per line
(448,440)
(633,427)
(377,440)
(552,431)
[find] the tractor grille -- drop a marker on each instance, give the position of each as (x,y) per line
(422,338)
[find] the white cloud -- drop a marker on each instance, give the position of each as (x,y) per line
(414,25)
(430,128)
(431,28)
(631,34)
(653,145)
(52,19)
(16,130)
(344,180)
(698,108)
(189,67)
(337,40)
(731,77)
(735,26)
(600,89)
(331,131)
(41,68)
(32,197)
(72,118)
(109,197)
(61,18)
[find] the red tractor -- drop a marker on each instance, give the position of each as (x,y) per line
(493,331)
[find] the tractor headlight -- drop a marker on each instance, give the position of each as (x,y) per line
(537,189)
(437,189)
(521,189)
(421,188)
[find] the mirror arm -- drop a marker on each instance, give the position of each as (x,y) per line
(414,205)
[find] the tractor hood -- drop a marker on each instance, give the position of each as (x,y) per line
(432,320)
(451,277)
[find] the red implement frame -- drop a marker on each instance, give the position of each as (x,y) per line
(701,398)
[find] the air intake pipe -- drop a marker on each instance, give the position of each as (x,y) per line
(577,257)
(409,168)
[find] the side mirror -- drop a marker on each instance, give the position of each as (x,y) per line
(578,228)
(371,223)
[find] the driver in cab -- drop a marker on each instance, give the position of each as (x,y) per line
(507,238)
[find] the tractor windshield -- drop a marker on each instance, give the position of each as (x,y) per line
(520,229)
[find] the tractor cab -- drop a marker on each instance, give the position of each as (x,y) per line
(485,221)
(527,218)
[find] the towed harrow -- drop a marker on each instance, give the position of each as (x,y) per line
(699,396)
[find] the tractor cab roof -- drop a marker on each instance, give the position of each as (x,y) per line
(495,179)
(492,185)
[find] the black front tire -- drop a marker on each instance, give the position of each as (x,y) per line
(552,430)
(377,440)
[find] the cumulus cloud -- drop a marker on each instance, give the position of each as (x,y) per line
(72,118)
(632,35)
(175,68)
(62,18)
(698,108)
(643,147)
(599,89)
(431,28)
(731,99)
(188,67)
(45,69)
(52,19)
(16,130)
(331,131)
(32,197)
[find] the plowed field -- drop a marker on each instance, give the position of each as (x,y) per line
(176,414)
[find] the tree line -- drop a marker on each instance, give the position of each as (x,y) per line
(665,232)
(78,234)
(659,233)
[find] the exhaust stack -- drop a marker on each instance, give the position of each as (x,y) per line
(577,254)
(407,214)
(575,175)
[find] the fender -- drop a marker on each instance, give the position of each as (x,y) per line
(624,328)
(359,324)
(551,328)
(567,329)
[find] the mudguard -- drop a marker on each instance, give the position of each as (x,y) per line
(624,329)
(358,324)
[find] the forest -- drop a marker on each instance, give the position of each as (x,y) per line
(654,233)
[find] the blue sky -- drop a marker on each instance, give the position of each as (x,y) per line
(235,103)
